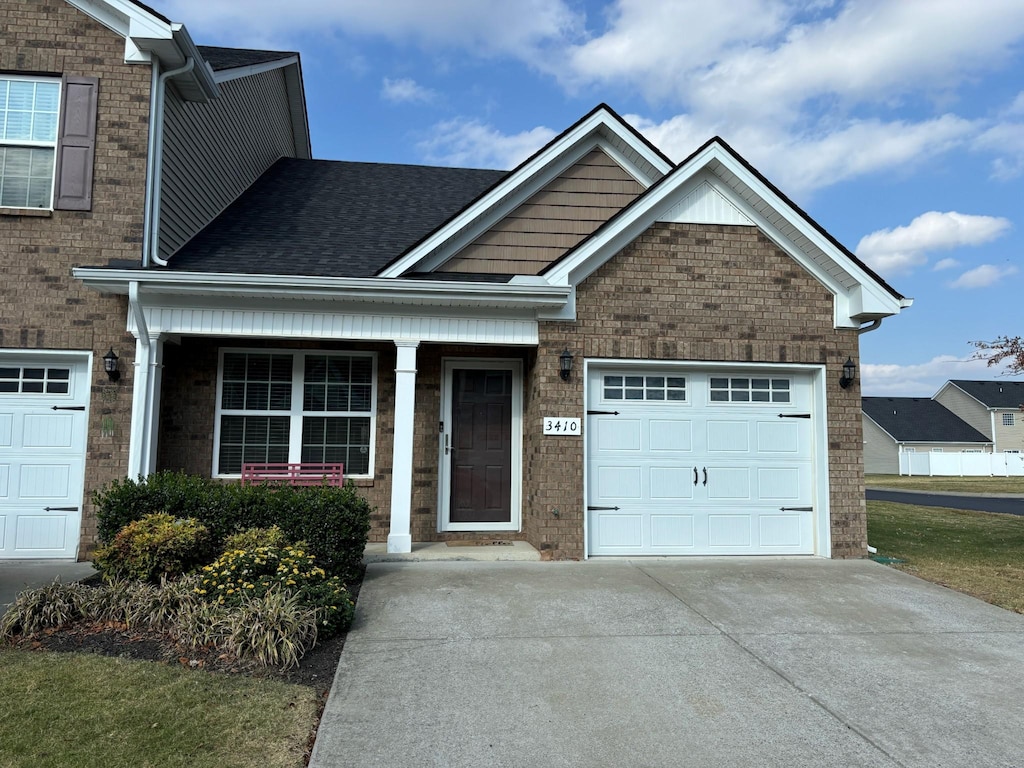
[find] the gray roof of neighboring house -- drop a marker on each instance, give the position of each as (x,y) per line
(330,218)
(229,58)
(994,394)
(920,420)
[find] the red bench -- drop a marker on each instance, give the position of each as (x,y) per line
(294,474)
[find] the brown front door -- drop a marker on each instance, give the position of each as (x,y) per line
(481,456)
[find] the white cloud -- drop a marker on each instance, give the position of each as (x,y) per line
(922,379)
(947,263)
(983,276)
(899,250)
(404,90)
(471,143)
(1006,141)
(486,27)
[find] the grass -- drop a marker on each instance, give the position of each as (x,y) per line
(84,710)
(955,484)
(979,553)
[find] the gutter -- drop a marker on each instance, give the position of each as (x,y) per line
(379,290)
(155,159)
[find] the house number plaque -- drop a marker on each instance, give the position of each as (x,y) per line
(554,425)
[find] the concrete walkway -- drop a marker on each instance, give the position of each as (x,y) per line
(737,662)
(19,575)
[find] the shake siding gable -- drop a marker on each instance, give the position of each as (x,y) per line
(214,151)
(552,221)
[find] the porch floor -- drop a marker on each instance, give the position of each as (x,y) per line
(376,552)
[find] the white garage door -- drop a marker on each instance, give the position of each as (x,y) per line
(42,455)
(701,463)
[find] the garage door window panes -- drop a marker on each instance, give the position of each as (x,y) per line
(645,388)
(744,390)
(33,381)
(301,407)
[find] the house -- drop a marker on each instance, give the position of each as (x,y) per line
(600,352)
(895,425)
(994,408)
(119,140)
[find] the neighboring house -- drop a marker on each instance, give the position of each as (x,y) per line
(92,94)
(994,408)
(599,352)
(895,425)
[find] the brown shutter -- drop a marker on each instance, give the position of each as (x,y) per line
(76,144)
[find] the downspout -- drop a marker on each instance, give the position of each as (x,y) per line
(151,239)
(873,325)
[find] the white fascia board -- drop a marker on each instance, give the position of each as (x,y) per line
(129,21)
(533,296)
(516,188)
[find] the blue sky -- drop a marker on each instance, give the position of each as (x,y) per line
(897,124)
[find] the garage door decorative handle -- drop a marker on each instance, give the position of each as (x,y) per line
(705,476)
(60,509)
(68,408)
(602,413)
(694,475)
(595,509)
(796,509)
(794,415)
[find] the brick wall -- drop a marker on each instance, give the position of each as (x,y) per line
(41,306)
(689,292)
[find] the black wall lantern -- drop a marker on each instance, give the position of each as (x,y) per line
(565,365)
(849,373)
(110,365)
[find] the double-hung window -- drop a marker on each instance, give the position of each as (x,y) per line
(29,112)
(296,406)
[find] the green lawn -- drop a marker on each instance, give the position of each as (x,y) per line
(955,484)
(979,553)
(62,709)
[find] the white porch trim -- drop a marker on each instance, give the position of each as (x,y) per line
(399,536)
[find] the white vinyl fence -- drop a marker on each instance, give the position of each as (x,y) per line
(959,464)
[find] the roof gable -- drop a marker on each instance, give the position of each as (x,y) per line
(715,185)
(993,394)
(601,128)
(919,420)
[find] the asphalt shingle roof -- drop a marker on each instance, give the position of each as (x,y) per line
(330,218)
(994,394)
(920,420)
(229,58)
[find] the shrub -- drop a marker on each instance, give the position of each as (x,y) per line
(158,546)
(272,629)
(240,574)
(334,522)
(251,538)
(48,606)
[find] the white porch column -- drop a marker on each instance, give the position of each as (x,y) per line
(399,537)
(140,389)
(156,377)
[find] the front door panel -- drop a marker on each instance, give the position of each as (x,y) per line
(481,453)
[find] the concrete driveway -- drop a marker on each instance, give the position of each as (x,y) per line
(19,575)
(737,662)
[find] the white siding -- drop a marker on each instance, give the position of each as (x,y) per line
(881,455)
(213,152)
(967,408)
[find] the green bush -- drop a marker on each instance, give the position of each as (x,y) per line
(157,546)
(251,538)
(240,575)
(48,606)
(334,522)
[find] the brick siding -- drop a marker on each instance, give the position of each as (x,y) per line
(41,306)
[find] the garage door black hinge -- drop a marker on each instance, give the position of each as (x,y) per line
(60,509)
(796,509)
(602,413)
(794,415)
(68,408)
(595,509)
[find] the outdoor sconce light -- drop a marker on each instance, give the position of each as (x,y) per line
(565,365)
(110,365)
(849,373)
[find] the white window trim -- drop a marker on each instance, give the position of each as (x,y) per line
(296,412)
(30,144)
(684,403)
(750,391)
